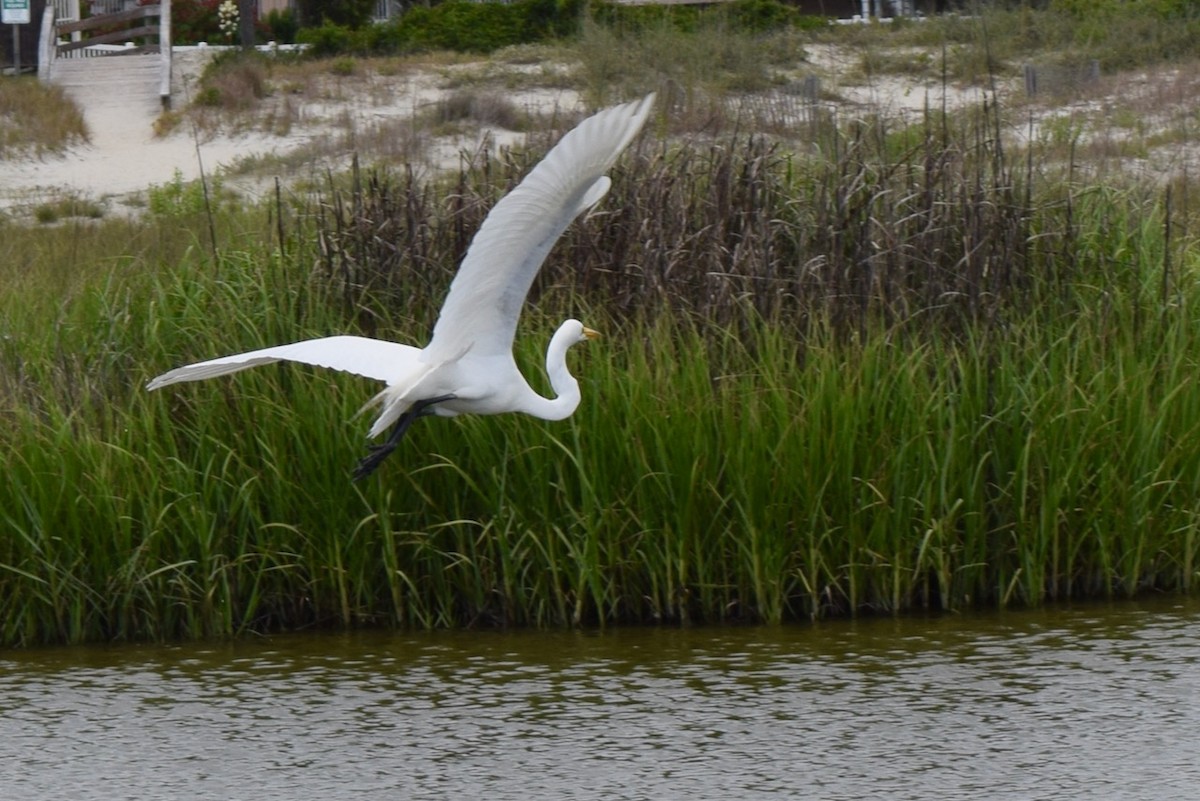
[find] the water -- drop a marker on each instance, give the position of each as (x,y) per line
(1089,703)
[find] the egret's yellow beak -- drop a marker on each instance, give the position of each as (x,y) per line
(590,334)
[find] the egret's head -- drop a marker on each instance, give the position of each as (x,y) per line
(575,332)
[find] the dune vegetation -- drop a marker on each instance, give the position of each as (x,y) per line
(36,119)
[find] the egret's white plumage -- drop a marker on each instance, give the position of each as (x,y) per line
(468,366)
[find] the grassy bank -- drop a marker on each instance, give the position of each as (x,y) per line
(905,376)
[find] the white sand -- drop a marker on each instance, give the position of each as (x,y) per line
(124,157)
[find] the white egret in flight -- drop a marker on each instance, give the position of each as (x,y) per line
(468,366)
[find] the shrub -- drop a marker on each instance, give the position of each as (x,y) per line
(1123,34)
(281,26)
(471,27)
(178,197)
(482,27)
(547,19)
(351,14)
(761,15)
(748,16)
(195,21)
(329,39)
(234,80)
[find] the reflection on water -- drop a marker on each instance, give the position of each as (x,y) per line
(1100,702)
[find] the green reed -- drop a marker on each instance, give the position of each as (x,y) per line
(754,443)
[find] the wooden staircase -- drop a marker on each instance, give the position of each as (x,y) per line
(117,60)
(131,83)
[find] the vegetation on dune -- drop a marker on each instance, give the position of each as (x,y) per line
(742,56)
(37,119)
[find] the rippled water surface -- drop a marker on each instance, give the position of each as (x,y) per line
(1099,703)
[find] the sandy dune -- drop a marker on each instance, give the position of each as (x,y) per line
(124,156)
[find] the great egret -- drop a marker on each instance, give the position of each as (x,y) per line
(468,365)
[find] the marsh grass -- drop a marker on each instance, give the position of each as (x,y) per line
(709,476)
(900,367)
(897,376)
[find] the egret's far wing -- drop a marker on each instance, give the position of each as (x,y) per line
(373,358)
(481,310)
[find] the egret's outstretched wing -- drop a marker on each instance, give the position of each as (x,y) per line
(481,310)
(373,358)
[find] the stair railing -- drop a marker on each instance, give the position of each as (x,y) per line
(96,37)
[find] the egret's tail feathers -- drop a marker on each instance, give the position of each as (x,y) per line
(414,385)
(392,408)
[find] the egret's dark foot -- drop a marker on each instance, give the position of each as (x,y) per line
(368,464)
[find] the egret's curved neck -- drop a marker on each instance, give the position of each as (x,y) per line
(564,384)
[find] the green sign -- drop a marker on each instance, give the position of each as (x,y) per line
(14,12)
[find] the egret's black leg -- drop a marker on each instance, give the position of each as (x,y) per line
(367,464)
(422,408)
